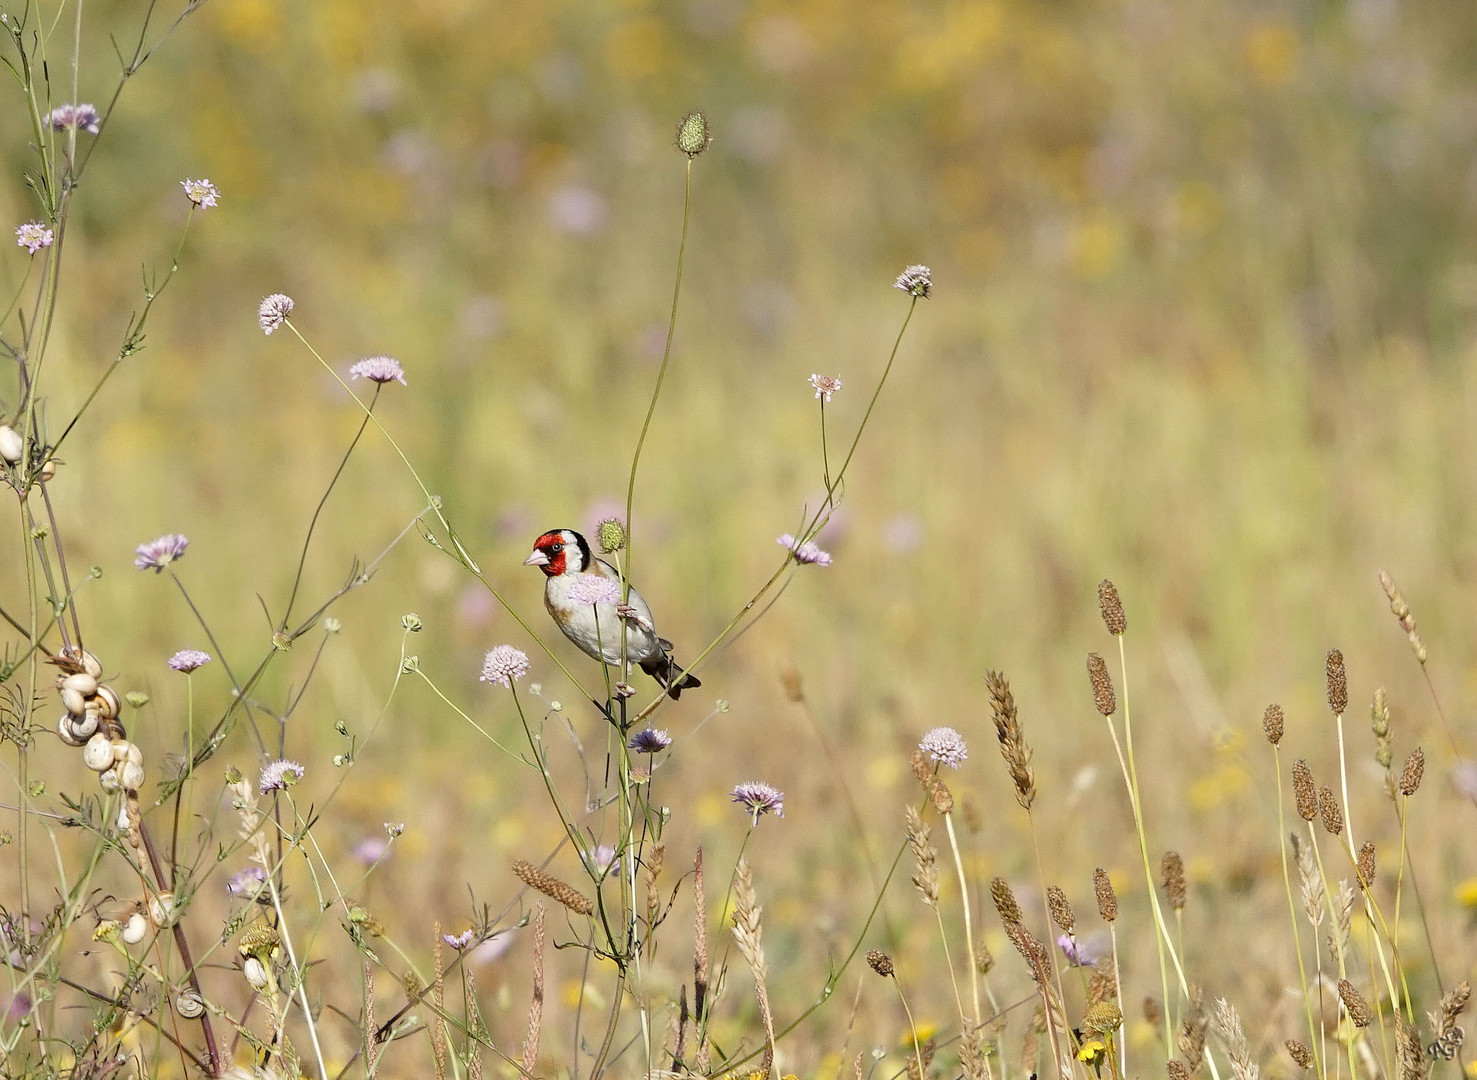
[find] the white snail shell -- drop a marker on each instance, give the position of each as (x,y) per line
(83,683)
(12,446)
(98,753)
(108,778)
(108,703)
(189,1004)
(84,725)
(49,469)
(67,730)
(133,754)
(135,928)
(91,665)
(162,912)
(120,749)
(73,699)
(255,972)
(130,776)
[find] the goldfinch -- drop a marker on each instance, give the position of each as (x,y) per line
(582,594)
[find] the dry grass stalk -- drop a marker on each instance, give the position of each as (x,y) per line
(1338,681)
(1228,1027)
(1410,1055)
(476,1028)
(1453,1004)
(974,1061)
(1005,904)
(1061,910)
(1107,899)
(748,934)
(371,1029)
(700,963)
(918,1065)
(653,869)
(1358,1009)
(1102,685)
(1303,790)
(1032,951)
(1310,885)
(1273,723)
(1366,864)
(1301,1056)
(1191,1038)
(1111,607)
(925,858)
(552,887)
(1379,723)
(536,1005)
(1328,809)
(1412,771)
(1172,877)
(1031,1042)
(1013,745)
(1401,610)
(438,999)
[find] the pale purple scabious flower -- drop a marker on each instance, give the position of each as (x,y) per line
(594,589)
(650,741)
(504,665)
(760,798)
(371,849)
(807,552)
(187,660)
(379,369)
(825,386)
(459,941)
(200,192)
(247,883)
(157,554)
(33,236)
(82,117)
(280,775)
(274,311)
(604,859)
(19,1007)
(915,281)
(1081,952)
(944,745)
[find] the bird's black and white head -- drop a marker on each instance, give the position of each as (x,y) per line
(560,551)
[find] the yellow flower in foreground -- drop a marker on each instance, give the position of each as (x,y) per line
(1092,1050)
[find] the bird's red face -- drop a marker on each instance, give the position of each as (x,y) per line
(559,551)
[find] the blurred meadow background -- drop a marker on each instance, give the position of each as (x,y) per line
(1202,322)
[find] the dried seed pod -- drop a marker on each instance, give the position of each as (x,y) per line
(1359,1010)
(1107,899)
(97,755)
(1273,723)
(1413,770)
(1103,1017)
(1060,908)
(1102,685)
(1328,808)
(880,962)
(1111,607)
(1366,863)
(1300,1054)
(1005,902)
(135,928)
(1176,1069)
(1172,877)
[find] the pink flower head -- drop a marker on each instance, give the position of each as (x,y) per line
(273,312)
(807,552)
(504,665)
(187,660)
(379,369)
(759,799)
(200,192)
(33,236)
(594,589)
(915,281)
(459,941)
(157,554)
(825,386)
(280,775)
(944,745)
(650,741)
(82,117)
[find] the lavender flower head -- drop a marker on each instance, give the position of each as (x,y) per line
(604,859)
(273,312)
(944,745)
(807,552)
(594,589)
(1081,952)
(247,883)
(915,281)
(759,799)
(650,741)
(825,386)
(378,369)
(459,941)
(82,117)
(157,554)
(200,192)
(504,665)
(279,776)
(187,660)
(33,236)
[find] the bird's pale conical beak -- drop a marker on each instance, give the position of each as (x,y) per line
(538,558)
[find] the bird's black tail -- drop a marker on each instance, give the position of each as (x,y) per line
(666,671)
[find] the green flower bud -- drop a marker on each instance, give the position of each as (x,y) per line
(693,136)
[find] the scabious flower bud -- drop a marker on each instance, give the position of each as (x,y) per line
(612,535)
(693,136)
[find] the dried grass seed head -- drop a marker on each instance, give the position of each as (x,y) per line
(1107,899)
(1273,723)
(546,883)
(1358,1008)
(1304,791)
(880,962)
(1172,877)
(1301,1056)
(1102,685)
(1111,607)
(1338,681)
(1412,771)
(1005,902)
(1013,746)
(1060,908)
(1328,809)
(1365,864)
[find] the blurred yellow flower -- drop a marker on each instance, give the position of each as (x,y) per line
(1217,787)
(1097,246)
(1466,893)
(1272,52)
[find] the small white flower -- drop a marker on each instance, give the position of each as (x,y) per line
(273,312)
(825,386)
(200,192)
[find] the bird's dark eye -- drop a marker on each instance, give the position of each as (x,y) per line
(556,548)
